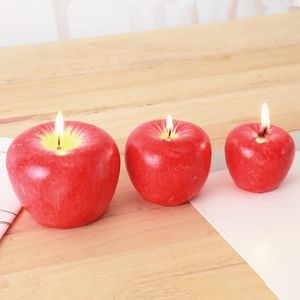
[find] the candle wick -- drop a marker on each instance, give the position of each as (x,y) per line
(58,143)
(169,133)
(263,132)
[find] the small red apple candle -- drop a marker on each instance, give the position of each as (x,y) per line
(259,156)
(64,175)
(168,162)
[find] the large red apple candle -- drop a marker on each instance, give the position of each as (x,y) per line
(168,162)
(65,175)
(259,156)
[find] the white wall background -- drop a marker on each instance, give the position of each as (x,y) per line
(38,21)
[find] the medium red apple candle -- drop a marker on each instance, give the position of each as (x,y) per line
(259,156)
(65,176)
(168,162)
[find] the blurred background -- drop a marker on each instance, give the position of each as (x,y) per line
(38,21)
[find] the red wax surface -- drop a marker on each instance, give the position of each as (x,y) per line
(258,165)
(168,172)
(64,190)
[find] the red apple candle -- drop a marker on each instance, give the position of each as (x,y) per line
(168,163)
(259,156)
(65,176)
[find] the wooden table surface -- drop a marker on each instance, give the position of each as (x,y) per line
(214,75)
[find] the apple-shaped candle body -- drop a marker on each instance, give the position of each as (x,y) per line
(168,169)
(65,187)
(258,163)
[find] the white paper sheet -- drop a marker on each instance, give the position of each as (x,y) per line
(9,205)
(263,228)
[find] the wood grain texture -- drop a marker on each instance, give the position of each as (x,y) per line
(214,75)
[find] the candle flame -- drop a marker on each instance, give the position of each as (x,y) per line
(59,124)
(169,123)
(168,133)
(265,117)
